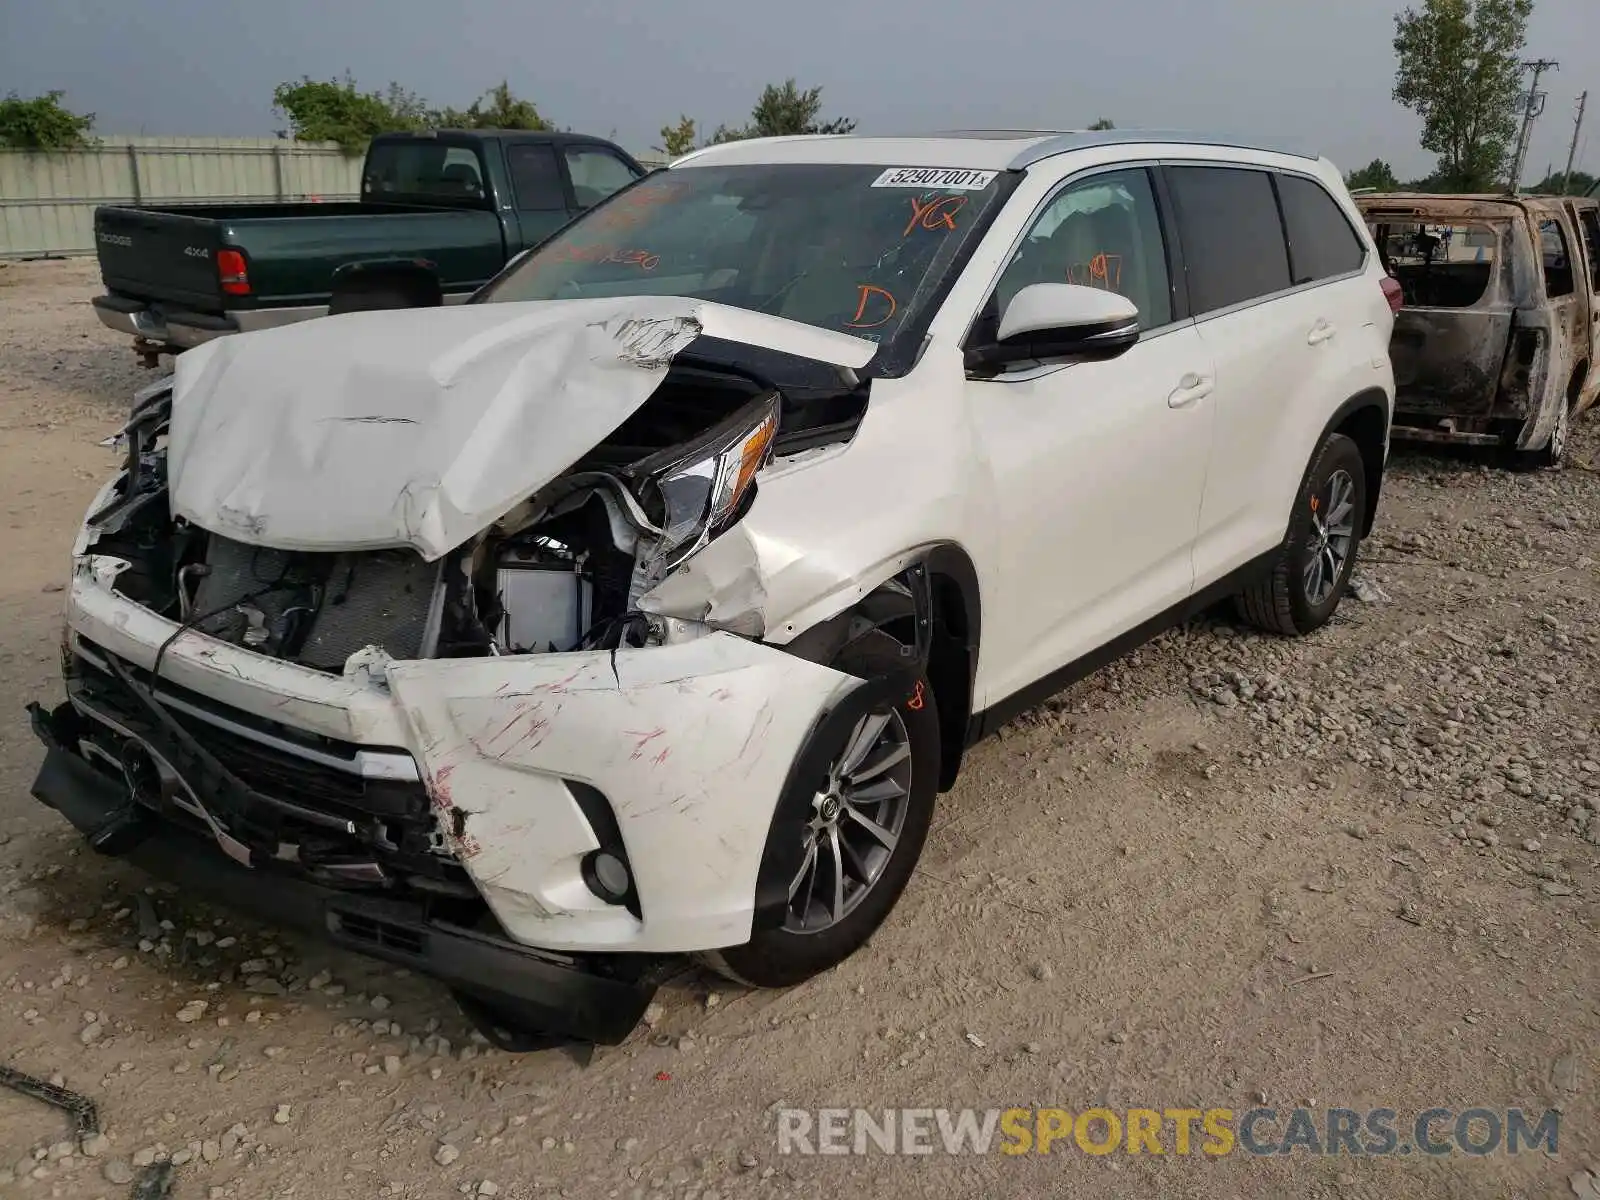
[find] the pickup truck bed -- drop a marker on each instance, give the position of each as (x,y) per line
(440,215)
(166,260)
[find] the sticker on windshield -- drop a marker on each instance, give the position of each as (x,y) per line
(944,179)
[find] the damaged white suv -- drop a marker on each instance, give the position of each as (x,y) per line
(643,604)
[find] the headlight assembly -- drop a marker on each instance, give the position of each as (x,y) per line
(696,492)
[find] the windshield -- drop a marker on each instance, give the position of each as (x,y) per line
(858,249)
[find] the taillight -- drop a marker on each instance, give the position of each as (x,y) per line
(1394,293)
(233,273)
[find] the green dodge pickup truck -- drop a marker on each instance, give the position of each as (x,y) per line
(440,213)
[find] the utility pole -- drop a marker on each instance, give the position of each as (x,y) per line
(1531,110)
(1572,152)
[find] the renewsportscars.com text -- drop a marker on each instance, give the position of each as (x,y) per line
(1211,1132)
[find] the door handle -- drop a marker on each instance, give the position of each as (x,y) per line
(1191,388)
(1320,332)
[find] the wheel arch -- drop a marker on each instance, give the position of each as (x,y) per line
(418,277)
(934,607)
(1364,419)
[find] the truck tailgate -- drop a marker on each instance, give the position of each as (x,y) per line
(160,256)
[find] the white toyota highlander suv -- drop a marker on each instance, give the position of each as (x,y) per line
(644,604)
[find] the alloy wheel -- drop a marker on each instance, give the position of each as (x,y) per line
(1331,538)
(855,823)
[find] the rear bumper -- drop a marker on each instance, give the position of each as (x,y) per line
(596,998)
(181,329)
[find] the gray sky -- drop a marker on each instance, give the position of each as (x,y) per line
(1317,73)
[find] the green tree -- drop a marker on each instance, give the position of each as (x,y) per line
(1460,71)
(335,110)
(498,108)
(1103,123)
(1376,174)
(678,139)
(1557,183)
(784,110)
(42,123)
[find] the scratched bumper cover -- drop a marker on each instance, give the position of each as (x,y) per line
(690,745)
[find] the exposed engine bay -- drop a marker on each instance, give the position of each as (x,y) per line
(562,571)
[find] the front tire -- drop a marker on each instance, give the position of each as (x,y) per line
(1313,566)
(868,821)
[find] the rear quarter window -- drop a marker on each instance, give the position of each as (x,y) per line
(1322,244)
(1233,240)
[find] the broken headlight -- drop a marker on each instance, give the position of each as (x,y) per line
(696,492)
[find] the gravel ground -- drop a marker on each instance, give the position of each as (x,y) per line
(1357,869)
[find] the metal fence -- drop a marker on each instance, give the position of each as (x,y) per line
(47,201)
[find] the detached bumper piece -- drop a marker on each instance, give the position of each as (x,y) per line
(521,998)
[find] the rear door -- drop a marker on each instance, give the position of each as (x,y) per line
(539,189)
(1566,289)
(165,256)
(1267,354)
(1586,217)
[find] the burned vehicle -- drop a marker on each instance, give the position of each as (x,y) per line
(1499,327)
(643,605)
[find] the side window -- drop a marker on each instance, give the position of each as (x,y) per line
(535,177)
(596,173)
(1233,241)
(1589,224)
(1321,242)
(1557,258)
(1104,232)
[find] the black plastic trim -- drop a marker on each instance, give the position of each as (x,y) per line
(1177,265)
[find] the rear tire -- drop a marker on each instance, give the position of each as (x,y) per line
(1553,454)
(793,952)
(1313,566)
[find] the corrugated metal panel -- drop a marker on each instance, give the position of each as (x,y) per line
(47,201)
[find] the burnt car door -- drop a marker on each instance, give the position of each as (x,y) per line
(1585,216)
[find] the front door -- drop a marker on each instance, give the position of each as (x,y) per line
(1099,467)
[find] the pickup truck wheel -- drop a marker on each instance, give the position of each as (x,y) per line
(868,821)
(1313,566)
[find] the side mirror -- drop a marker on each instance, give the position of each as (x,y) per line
(1059,320)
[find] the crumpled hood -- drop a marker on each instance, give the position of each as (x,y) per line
(423,427)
